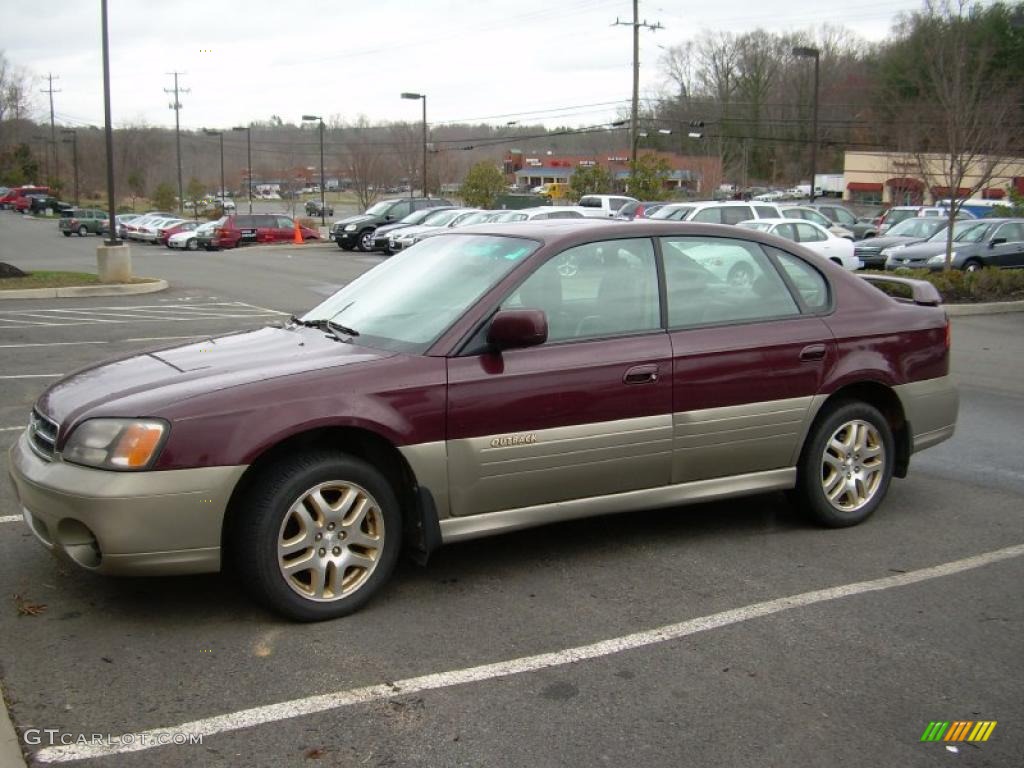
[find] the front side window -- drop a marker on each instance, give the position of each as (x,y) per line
(590,202)
(596,290)
(713,280)
(766,212)
(843,216)
(809,234)
(405,303)
(710,216)
(1012,233)
(672,213)
(734,214)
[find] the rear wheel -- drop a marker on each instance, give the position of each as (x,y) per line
(846,465)
(972,265)
(316,536)
(66,234)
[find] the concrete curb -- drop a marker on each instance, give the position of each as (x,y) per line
(82,291)
(991,308)
(10,746)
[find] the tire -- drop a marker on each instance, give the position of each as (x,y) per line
(740,275)
(366,241)
(191,244)
(83,231)
(972,265)
(280,523)
(851,439)
(66,234)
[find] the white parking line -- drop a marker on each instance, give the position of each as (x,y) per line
(11,429)
(51,344)
(34,376)
(10,519)
(247,718)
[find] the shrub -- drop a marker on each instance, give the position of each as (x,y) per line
(955,286)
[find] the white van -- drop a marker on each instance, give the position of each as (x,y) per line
(722,212)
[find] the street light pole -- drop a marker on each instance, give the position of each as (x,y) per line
(208,132)
(812,53)
(422,96)
(323,203)
(108,130)
(73,141)
(248,156)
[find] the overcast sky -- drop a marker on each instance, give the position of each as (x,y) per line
(553,61)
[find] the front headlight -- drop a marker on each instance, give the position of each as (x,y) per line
(891,250)
(121,444)
(940,258)
(350,227)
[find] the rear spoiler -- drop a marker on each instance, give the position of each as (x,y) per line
(921,291)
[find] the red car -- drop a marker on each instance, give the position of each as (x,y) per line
(163,234)
(243,229)
(17,199)
(487,380)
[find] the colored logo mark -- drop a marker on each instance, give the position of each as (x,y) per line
(959,730)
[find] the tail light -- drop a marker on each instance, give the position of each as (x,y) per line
(74,222)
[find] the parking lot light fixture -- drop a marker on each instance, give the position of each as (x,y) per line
(422,96)
(806,52)
(248,156)
(210,132)
(323,202)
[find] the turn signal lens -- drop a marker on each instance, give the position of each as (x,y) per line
(137,445)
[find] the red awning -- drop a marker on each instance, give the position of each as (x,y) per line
(993,193)
(905,183)
(864,186)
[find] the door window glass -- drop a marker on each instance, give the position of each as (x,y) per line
(1012,233)
(809,234)
(766,212)
(283,222)
(708,216)
(399,210)
(808,281)
(720,280)
(843,216)
(595,290)
(787,231)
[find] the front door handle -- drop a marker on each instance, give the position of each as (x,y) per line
(641,374)
(812,352)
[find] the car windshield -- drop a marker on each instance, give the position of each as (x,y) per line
(963,232)
(759,225)
(510,216)
(918,227)
(379,209)
(407,302)
(440,218)
(478,217)
(673,212)
(417,217)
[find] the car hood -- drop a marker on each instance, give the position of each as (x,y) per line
(419,229)
(878,243)
(354,220)
(145,383)
(923,249)
(385,228)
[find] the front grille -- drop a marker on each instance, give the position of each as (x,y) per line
(42,435)
(867,251)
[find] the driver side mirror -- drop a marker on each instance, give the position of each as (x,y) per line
(996,241)
(518,328)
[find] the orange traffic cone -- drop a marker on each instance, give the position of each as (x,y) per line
(298,235)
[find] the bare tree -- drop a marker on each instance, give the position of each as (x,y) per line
(366,165)
(962,106)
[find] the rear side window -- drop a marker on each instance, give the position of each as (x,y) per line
(590,202)
(618,202)
(809,282)
(734,214)
(792,213)
(246,222)
(712,280)
(766,212)
(809,234)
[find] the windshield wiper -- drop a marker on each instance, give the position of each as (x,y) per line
(340,332)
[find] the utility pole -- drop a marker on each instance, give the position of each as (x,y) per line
(53,130)
(73,141)
(636,24)
(176,106)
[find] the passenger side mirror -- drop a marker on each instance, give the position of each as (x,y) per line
(996,241)
(518,328)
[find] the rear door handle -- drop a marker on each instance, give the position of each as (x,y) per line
(812,352)
(641,374)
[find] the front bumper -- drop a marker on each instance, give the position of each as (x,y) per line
(124,523)
(345,238)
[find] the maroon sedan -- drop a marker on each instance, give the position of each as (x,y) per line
(487,380)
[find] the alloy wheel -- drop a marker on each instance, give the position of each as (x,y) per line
(852,465)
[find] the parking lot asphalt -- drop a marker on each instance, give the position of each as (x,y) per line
(690,636)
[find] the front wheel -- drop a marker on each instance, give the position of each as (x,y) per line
(316,535)
(192,244)
(972,265)
(82,231)
(846,465)
(66,234)
(366,240)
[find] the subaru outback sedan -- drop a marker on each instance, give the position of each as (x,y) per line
(486,380)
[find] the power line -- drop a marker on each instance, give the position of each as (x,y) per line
(636,24)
